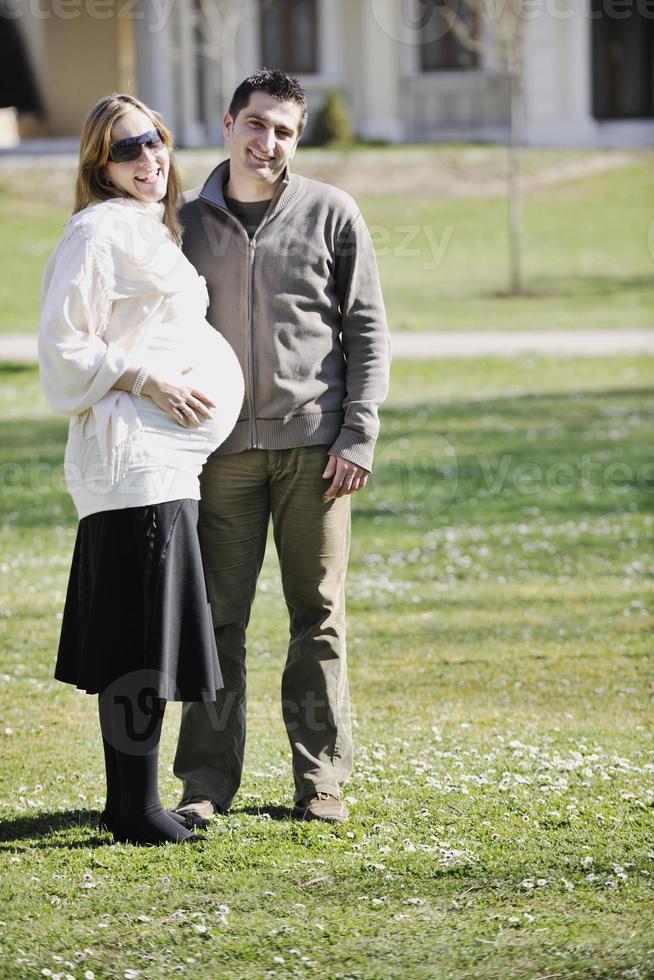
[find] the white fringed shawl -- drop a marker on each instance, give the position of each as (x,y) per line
(106,281)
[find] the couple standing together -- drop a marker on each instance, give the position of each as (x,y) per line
(222,358)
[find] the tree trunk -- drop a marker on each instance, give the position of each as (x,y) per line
(231,18)
(515,200)
(219,27)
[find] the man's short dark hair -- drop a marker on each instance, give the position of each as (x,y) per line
(272,81)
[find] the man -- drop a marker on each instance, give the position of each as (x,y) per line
(294,288)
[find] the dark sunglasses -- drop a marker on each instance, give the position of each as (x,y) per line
(124,151)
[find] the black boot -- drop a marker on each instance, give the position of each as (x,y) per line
(131,725)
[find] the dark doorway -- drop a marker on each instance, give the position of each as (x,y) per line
(623,62)
(17,85)
(289,35)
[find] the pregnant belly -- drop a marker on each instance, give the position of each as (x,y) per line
(214,371)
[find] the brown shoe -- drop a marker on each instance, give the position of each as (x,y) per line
(321,806)
(197,812)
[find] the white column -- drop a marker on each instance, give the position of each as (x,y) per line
(330,41)
(190,130)
(558,75)
(578,57)
(248,43)
(379,105)
(154,67)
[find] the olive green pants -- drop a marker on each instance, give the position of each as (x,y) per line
(240,493)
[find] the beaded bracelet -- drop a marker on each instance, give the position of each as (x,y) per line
(139,381)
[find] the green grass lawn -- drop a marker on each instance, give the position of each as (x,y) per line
(587,263)
(588,255)
(500,654)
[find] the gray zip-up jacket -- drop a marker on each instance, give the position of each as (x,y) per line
(301,306)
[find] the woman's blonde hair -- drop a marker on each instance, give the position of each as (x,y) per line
(91,186)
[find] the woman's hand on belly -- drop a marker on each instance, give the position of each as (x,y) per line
(188,406)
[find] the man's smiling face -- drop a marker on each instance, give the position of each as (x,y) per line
(262,139)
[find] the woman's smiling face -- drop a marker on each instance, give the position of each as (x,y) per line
(146,177)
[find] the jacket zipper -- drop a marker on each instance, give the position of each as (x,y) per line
(254,434)
(249,338)
(252,244)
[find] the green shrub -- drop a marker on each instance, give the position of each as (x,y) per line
(332,123)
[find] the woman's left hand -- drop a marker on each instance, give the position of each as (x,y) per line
(188,406)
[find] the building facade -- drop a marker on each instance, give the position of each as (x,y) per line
(403,74)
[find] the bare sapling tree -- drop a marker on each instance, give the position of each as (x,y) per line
(217,22)
(505,19)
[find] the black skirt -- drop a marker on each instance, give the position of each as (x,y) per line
(137,605)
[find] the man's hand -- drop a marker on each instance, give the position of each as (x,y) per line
(345,476)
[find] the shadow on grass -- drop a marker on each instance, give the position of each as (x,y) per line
(517,402)
(561,287)
(489,456)
(37,830)
(10,368)
(40,830)
(270,812)
(573,455)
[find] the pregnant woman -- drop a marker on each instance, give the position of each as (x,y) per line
(152,389)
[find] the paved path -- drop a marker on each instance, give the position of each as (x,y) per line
(507,343)
(416,346)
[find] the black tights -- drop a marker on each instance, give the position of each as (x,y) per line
(131,724)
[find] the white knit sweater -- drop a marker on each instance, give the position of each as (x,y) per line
(118,293)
